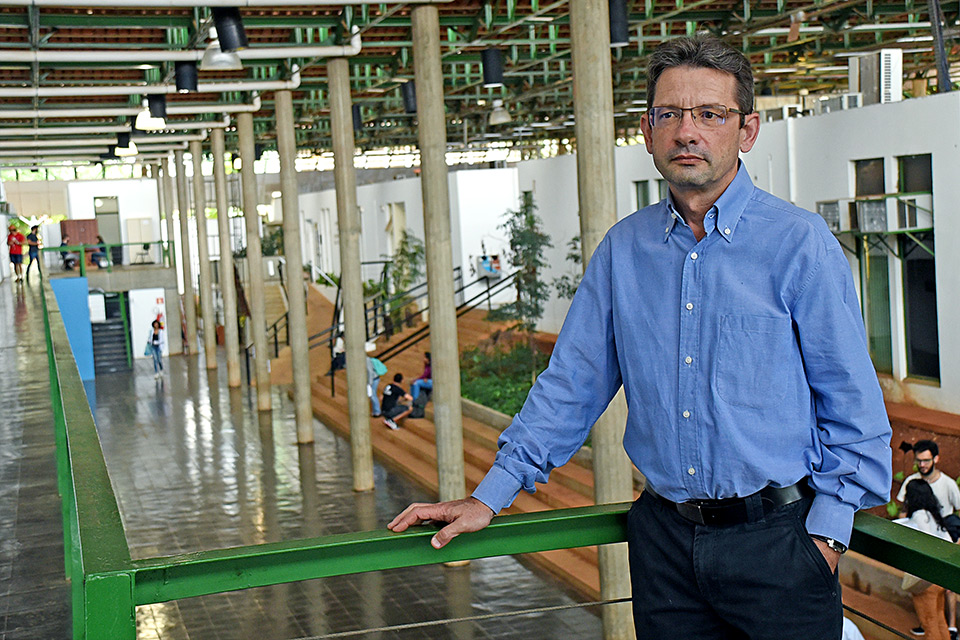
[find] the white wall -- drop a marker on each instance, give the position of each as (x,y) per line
(135,199)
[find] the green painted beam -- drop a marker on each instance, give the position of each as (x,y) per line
(99,541)
(163,579)
(907,549)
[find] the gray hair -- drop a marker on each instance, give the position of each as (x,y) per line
(706,52)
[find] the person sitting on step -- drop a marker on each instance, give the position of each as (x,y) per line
(391,408)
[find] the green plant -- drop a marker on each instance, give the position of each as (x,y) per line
(499,378)
(272,243)
(566,285)
(528,243)
(408,262)
(408,268)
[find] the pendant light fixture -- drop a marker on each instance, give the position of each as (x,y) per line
(230,29)
(619,24)
(125,147)
(186,75)
(409,92)
(492,61)
(214,58)
(146,121)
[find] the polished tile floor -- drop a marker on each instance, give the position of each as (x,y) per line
(195,467)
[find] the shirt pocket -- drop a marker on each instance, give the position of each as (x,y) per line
(751,351)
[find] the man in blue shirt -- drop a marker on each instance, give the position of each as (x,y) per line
(731,320)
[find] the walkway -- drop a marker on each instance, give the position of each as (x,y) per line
(194,467)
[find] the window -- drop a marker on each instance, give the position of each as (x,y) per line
(662,188)
(920,306)
(874,265)
(875,285)
(642,189)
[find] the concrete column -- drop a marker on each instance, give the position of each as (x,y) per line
(348,219)
(228,288)
(203,251)
(436,219)
(174,321)
(297,312)
(169,204)
(255,295)
(186,265)
(593,109)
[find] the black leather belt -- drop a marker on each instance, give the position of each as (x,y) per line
(731,511)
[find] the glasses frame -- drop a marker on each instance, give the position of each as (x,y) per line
(651,116)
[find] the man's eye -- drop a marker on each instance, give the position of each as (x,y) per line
(667,115)
(707,114)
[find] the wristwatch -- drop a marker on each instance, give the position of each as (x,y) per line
(835,545)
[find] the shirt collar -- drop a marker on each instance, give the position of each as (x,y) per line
(727,209)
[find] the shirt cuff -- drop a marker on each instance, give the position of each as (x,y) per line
(830,517)
(498,489)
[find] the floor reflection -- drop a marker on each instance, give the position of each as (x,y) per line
(196,467)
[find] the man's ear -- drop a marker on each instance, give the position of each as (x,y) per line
(749,131)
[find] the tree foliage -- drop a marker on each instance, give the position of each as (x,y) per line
(528,242)
(408,262)
(566,285)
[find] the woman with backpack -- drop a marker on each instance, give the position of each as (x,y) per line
(375,369)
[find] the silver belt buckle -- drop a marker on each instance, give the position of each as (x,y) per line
(692,512)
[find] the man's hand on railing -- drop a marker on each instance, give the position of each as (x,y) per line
(463,516)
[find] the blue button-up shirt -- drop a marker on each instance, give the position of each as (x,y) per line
(742,356)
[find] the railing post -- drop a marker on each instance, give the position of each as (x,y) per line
(276,340)
(108,607)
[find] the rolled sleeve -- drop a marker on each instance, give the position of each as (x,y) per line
(854,466)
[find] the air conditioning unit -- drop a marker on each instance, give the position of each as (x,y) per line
(914,211)
(836,213)
(878,76)
(782,113)
(895,213)
(841,102)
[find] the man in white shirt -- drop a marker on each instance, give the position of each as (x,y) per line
(926,455)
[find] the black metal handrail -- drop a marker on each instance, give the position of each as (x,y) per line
(469,305)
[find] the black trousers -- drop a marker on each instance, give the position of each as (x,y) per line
(762,580)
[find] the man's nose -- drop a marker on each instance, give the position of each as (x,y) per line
(687,130)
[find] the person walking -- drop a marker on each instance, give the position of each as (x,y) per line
(33,248)
(156,340)
(923,514)
(15,242)
(731,320)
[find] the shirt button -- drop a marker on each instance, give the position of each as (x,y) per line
(694,256)
(688,359)
(667,230)
(692,471)
(689,306)
(686,414)
(727,230)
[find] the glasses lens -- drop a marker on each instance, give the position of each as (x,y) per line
(710,116)
(664,116)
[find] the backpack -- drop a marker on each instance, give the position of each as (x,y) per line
(378,367)
(420,404)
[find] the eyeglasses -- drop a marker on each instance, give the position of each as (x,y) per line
(923,460)
(708,116)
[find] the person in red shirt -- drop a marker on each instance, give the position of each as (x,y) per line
(15,242)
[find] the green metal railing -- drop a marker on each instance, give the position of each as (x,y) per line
(155,253)
(107,584)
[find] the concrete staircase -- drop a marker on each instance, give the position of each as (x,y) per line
(411,451)
(275,305)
